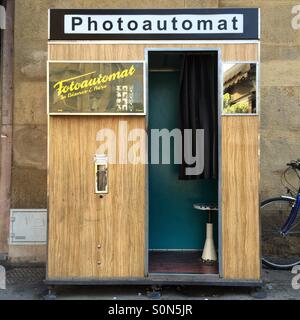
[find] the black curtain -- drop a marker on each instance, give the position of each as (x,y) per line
(199,109)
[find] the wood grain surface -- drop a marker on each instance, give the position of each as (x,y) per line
(230,52)
(240,197)
(89,236)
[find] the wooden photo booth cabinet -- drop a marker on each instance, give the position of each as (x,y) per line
(101,238)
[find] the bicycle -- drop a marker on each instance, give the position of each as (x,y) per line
(280,224)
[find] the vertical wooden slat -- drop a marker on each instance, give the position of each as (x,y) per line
(240,197)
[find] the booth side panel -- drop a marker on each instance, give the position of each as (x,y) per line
(89,236)
(240,197)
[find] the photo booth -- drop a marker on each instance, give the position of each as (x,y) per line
(118,211)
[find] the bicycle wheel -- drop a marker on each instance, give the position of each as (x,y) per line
(279,252)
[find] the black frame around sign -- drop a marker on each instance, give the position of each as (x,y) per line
(251,24)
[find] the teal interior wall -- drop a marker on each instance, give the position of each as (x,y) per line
(173,223)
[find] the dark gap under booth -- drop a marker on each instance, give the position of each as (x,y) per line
(153,147)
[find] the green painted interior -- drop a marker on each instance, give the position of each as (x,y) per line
(173,223)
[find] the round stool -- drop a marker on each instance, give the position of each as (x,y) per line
(209,251)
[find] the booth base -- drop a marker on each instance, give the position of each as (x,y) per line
(161,280)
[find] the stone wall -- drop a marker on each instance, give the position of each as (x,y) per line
(280,95)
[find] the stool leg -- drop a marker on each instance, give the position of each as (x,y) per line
(209,251)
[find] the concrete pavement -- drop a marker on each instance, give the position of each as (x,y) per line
(26,283)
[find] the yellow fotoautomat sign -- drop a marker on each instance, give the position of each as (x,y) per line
(96,88)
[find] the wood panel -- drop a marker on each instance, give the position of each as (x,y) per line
(230,52)
(240,197)
(79,220)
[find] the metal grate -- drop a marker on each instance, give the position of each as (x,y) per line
(25,275)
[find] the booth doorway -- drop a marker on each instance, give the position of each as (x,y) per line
(176,230)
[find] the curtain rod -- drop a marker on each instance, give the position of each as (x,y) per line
(163,70)
(182,53)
